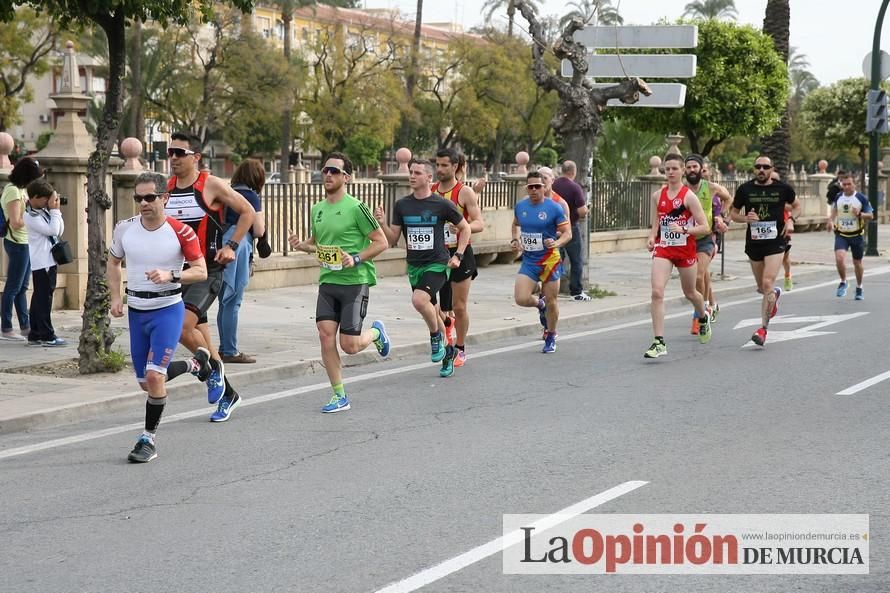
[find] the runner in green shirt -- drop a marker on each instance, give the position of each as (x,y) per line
(344,238)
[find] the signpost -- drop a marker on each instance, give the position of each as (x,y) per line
(876,76)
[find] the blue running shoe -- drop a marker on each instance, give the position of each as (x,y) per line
(542,312)
(216,382)
(549,343)
(859,294)
(227,405)
(448,362)
(382,342)
(842,289)
(437,347)
(338,403)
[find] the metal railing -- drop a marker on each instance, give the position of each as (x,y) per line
(287,207)
(499,195)
(620,205)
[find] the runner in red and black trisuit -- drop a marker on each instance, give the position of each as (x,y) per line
(200,200)
(455,294)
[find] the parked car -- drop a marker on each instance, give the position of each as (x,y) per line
(316,177)
(274,178)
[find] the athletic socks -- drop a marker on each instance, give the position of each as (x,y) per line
(375,334)
(338,389)
(154,407)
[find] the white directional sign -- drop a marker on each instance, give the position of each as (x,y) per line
(647,66)
(644,66)
(816,322)
(646,37)
(885,65)
(664,94)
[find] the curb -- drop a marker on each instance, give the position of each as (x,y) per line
(135,401)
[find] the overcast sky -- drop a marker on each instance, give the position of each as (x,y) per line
(835,37)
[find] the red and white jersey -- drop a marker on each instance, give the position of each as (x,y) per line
(165,248)
(670,211)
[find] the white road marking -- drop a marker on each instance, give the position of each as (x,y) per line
(452,565)
(816,322)
(865,384)
(97,434)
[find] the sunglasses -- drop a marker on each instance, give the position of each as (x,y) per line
(179,152)
(332,171)
(146,198)
(763,167)
(534,186)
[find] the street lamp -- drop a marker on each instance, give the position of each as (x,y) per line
(303,124)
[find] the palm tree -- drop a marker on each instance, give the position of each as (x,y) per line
(599,12)
(711,9)
(776,24)
(492,6)
(802,80)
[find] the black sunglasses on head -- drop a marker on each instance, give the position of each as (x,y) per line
(146,198)
(179,152)
(330,170)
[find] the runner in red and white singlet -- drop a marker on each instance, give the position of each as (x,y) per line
(677,216)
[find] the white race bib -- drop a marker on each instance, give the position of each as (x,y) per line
(450,237)
(763,230)
(532,241)
(420,238)
(847,225)
(671,238)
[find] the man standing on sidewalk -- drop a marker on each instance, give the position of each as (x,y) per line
(849,215)
(200,200)
(155,247)
(761,203)
(540,229)
(573,194)
(345,239)
(677,217)
(422,217)
(456,292)
(705,246)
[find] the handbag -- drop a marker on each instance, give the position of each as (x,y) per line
(61,251)
(263,247)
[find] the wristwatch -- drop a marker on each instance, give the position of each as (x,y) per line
(356,259)
(177,275)
(233,245)
(459,256)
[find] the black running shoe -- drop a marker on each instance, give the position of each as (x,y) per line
(143,452)
(202,357)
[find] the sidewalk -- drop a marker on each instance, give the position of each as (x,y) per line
(277,326)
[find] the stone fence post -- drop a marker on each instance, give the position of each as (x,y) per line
(124,182)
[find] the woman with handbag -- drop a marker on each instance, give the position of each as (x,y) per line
(15,243)
(44,222)
(248,180)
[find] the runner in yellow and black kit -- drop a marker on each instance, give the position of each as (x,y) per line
(454,295)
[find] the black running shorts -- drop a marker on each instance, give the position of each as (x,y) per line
(347,304)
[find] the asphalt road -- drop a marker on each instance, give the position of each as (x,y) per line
(421,470)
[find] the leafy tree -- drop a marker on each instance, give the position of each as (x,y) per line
(802,84)
(25,45)
(623,152)
(833,117)
(776,24)
(223,86)
(112,17)
(352,87)
(711,9)
(364,149)
(728,96)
